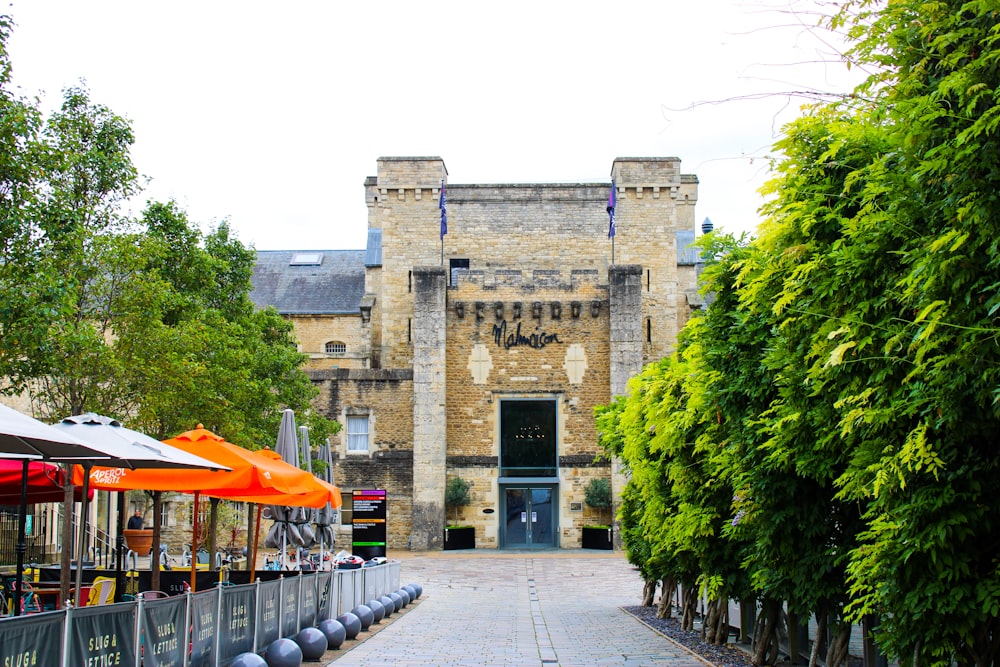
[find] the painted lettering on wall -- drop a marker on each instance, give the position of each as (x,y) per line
(515,338)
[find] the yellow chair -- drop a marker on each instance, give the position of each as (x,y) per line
(102,591)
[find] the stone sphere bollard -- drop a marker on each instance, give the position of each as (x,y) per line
(389,605)
(397,601)
(248,660)
(405,594)
(283,653)
(378,610)
(351,623)
(334,631)
(365,614)
(411,589)
(312,642)
(417,587)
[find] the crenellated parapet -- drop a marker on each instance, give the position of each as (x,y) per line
(476,280)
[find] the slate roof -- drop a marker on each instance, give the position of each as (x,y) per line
(334,286)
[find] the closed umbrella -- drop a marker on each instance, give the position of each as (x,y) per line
(291,524)
(326,516)
(25,438)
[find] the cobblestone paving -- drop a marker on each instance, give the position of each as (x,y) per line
(524,609)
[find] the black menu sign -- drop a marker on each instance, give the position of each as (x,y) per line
(368,523)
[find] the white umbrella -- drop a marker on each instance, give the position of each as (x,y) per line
(24,437)
(123,448)
(291,524)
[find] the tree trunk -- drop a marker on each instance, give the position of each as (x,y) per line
(820,631)
(213,528)
(648,592)
(668,587)
(715,629)
(689,606)
(836,654)
(765,644)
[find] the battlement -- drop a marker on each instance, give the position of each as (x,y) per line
(527,281)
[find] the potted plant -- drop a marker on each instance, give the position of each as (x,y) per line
(597,495)
(456,495)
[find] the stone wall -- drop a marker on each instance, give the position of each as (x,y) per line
(387,396)
(313,332)
(534,226)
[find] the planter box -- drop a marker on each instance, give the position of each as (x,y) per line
(459,538)
(596,538)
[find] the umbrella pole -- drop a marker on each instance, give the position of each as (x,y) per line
(256,538)
(83,534)
(66,538)
(194,545)
(120,547)
(154,555)
(22,544)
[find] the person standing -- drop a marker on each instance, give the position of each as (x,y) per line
(135,521)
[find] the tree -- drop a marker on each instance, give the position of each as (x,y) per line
(597,494)
(456,494)
(24,311)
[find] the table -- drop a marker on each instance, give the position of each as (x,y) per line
(48,596)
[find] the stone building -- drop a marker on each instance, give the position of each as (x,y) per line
(481,353)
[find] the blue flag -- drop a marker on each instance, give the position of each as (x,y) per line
(444,212)
(611,212)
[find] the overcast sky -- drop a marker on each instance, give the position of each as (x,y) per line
(271,115)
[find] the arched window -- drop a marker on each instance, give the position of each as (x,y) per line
(334,347)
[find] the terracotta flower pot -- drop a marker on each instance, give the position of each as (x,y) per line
(139,541)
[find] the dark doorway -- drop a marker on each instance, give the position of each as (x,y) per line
(529,518)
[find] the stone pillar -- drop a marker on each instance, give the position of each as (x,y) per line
(625,295)
(429,444)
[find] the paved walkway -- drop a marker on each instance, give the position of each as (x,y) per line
(497,609)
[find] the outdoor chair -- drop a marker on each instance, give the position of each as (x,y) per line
(30,602)
(102,591)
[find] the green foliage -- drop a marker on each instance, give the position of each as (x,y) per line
(597,493)
(456,494)
(843,385)
(146,320)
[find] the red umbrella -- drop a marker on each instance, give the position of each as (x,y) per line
(45,483)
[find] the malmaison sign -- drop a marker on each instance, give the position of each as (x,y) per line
(508,338)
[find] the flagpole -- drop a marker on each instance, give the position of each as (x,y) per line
(612,201)
(442,205)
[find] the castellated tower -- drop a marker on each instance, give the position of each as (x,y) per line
(485,351)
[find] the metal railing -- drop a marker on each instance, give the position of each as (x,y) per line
(38,538)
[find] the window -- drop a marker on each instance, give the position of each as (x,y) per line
(455,266)
(306,259)
(165,516)
(335,347)
(357,433)
(528,438)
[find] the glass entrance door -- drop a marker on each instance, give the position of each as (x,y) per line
(529,518)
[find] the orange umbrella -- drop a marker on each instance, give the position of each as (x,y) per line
(322,493)
(327,493)
(253,476)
